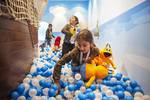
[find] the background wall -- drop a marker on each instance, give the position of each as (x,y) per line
(58,12)
(128,32)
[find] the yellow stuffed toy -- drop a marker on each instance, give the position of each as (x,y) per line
(105,57)
(90,72)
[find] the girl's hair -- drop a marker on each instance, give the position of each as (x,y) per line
(76,18)
(85,35)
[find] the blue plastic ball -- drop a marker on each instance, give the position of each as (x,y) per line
(133,84)
(71,87)
(129,89)
(125,79)
(20,89)
(82,96)
(88,90)
(120,94)
(91,95)
(129,98)
(118,76)
(51,92)
(14,95)
(47,73)
(55,87)
(93,87)
(137,89)
(44,68)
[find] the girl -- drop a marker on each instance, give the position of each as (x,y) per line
(70,31)
(84,52)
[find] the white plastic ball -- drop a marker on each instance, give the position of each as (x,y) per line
(146,97)
(26,80)
(66,93)
(128,82)
(138,94)
(138,98)
(27,86)
(70,79)
(58,97)
(33,69)
(77,92)
(98,96)
(109,92)
(82,89)
(32,92)
(126,93)
(113,79)
(35,82)
(21,98)
(45,91)
(77,76)
(52,98)
(104,88)
(115,97)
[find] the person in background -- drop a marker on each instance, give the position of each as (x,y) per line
(84,52)
(70,30)
(49,35)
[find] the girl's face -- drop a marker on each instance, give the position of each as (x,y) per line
(84,46)
(73,21)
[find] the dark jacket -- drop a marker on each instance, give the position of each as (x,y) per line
(73,55)
(68,34)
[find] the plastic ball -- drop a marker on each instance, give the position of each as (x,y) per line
(45,91)
(58,97)
(35,82)
(26,80)
(21,98)
(125,79)
(120,94)
(129,98)
(77,76)
(14,95)
(118,76)
(82,96)
(47,73)
(93,87)
(109,93)
(104,88)
(51,92)
(79,83)
(20,89)
(71,87)
(91,95)
(129,88)
(133,84)
(146,97)
(44,69)
(126,93)
(137,89)
(71,80)
(66,93)
(55,87)
(32,92)
(138,94)
(88,90)
(27,86)
(83,89)
(113,79)
(115,97)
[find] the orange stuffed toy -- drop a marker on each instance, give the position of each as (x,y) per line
(105,57)
(90,72)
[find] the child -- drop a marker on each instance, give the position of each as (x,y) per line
(84,52)
(49,35)
(57,43)
(70,31)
